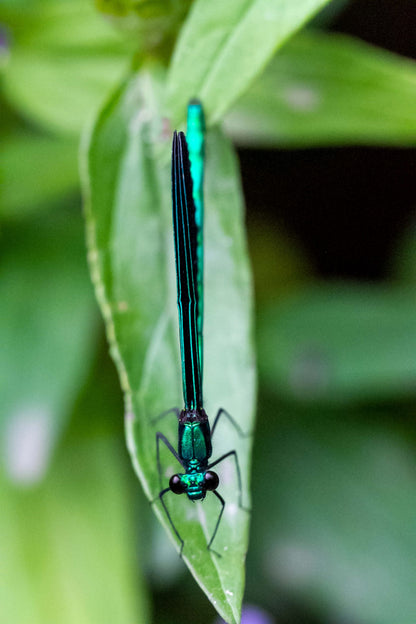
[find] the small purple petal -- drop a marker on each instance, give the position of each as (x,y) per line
(252,615)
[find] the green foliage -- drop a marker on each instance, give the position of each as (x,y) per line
(333,479)
(154,21)
(340,343)
(233,41)
(63,60)
(68,553)
(62,547)
(131,256)
(37,170)
(44,291)
(328,90)
(338,533)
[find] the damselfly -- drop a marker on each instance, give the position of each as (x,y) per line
(194,432)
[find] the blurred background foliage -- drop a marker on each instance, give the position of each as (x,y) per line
(325,139)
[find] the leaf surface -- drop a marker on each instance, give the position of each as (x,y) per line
(47,338)
(223,46)
(130,240)
(336,343)
(64,58)
(68,542)
(328,89)
(337,531)
(36,170)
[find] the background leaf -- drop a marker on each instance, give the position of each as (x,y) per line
(233,41)
(324,89)
(46,341)
(70,556)
(337,344)
(337,532)
(132,264)
(63,61)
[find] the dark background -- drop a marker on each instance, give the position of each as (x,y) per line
(349,206)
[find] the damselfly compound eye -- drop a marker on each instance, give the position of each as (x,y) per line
(176,485)
(211,480)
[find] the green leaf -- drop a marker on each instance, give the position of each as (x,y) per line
(329,90)
(404,257)
(329,13)
(64,59)
(340,343)
(155,22)
(337,529)
(130,242)
(46,336)
(223,46)
(35,171)
(68,544)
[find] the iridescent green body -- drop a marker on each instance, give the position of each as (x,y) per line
(194,449)
(195,137)
(194,436)
(194,432)
(189,306)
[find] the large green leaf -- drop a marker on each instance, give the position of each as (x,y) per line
(46,335)
(339,343)
(223,46)
(329,89)
(128,212)
(335,521)
(64,58)
(68,544)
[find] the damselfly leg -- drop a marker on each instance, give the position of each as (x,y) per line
(233,453)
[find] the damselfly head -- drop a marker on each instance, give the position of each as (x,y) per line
(195,484)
